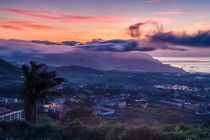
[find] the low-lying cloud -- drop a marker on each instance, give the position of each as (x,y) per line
(116,45)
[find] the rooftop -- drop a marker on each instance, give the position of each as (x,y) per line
(4,111)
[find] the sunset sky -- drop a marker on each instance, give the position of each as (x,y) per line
(161,28)
(84,20)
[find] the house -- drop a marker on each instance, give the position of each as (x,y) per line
(52,107)
(82,96)
(73,100)
(8,115)
(10,100)
(121,104)
(59,101)
(172,103)
(141,100)
(53,110)
(125,94)
(98,109)
(106,111)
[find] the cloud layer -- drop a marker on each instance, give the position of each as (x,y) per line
(45,52)
(112,45)
(200,39)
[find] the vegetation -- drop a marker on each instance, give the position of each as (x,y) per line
(39,84)
(85,115)
(75,130)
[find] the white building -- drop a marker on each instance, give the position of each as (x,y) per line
(8,115)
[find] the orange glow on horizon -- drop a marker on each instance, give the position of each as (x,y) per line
(58,26)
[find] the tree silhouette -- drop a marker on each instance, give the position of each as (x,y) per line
(39,84)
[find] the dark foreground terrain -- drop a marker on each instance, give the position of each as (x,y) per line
(21,130)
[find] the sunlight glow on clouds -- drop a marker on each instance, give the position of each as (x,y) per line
(106,27)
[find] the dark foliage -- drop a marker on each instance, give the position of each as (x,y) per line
(22,130)
(83,114)
(39,84)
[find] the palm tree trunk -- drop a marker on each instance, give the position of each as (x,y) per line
(30,111)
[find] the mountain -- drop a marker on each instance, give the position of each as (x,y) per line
(139,65)
(106,61)
(88,76)
(7,68)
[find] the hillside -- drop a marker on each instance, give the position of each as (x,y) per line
(7,68)
(73,69)
(85,75)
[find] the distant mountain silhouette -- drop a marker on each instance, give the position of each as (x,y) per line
(123,65)
(139,65)
(87,76)
(145,63)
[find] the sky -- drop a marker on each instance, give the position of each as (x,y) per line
(178,28)
(84,20)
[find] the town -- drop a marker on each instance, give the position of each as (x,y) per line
(160,100)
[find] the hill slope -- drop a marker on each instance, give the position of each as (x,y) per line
(7,68)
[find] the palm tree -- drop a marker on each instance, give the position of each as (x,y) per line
(39,84)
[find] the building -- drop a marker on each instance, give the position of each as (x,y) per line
(53,110)
(53,107)
(122,105)
(10,100)
(103,110)
(8,115)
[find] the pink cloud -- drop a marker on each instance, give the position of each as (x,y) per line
(21,25)
(192,16)
(179,11)
(11,27)
(153,1)
(63,17)
(39,14)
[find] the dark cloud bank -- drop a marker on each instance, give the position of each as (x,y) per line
(200,39)
(100,45)
(113,45)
